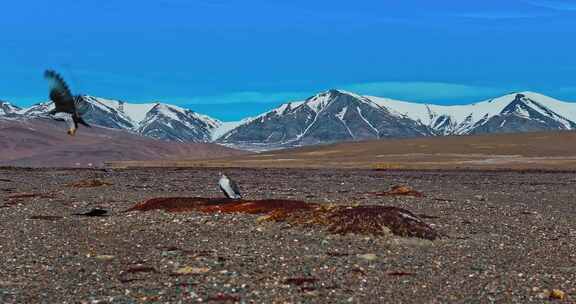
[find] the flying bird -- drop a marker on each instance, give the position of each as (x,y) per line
(229,187)
(66,106)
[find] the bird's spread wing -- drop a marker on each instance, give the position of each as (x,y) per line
(81,105)
(59,92)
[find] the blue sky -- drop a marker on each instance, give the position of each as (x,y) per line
(230,58)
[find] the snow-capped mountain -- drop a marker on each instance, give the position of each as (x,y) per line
(7,109)
(337,115)
(517,112)
(331,116)
(177,124)
(156,120)
(327,117)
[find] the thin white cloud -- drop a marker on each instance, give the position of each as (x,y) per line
(555,5)
(424,91)
(501,15)
(409,91)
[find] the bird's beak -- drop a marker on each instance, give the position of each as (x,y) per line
(71,132)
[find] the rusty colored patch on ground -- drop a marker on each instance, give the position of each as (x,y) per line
(211,205)
(376,220)
(89,183)
(30,195)
(400,190)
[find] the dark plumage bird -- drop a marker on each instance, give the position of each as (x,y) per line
(229,187)
(66,106)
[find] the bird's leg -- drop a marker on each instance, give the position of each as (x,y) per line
(69,122)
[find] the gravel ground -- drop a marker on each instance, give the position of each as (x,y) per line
(510,238)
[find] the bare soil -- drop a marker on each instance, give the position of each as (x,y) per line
(543,150)
(44,143)
(508,237)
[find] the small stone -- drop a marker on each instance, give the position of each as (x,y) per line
(545,294)
(167,253)
(368,256)
(192,270)
(104,257)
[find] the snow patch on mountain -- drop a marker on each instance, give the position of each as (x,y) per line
(341,114)
(225,127)
(7,108)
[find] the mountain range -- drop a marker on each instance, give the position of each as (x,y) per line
(327,117)
(337,115)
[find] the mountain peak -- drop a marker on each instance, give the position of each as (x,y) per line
(519,96)
(6,108)
(342,92)
(319,101)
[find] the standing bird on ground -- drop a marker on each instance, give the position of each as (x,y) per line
(65,105)
(229,187)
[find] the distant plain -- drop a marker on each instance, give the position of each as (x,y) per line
(541,150)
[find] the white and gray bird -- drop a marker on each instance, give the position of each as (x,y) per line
(229,187)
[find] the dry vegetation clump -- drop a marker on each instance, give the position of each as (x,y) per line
(89,183)
(21,195)
(379,220)
(387,166)
(375,220)
(400,190)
